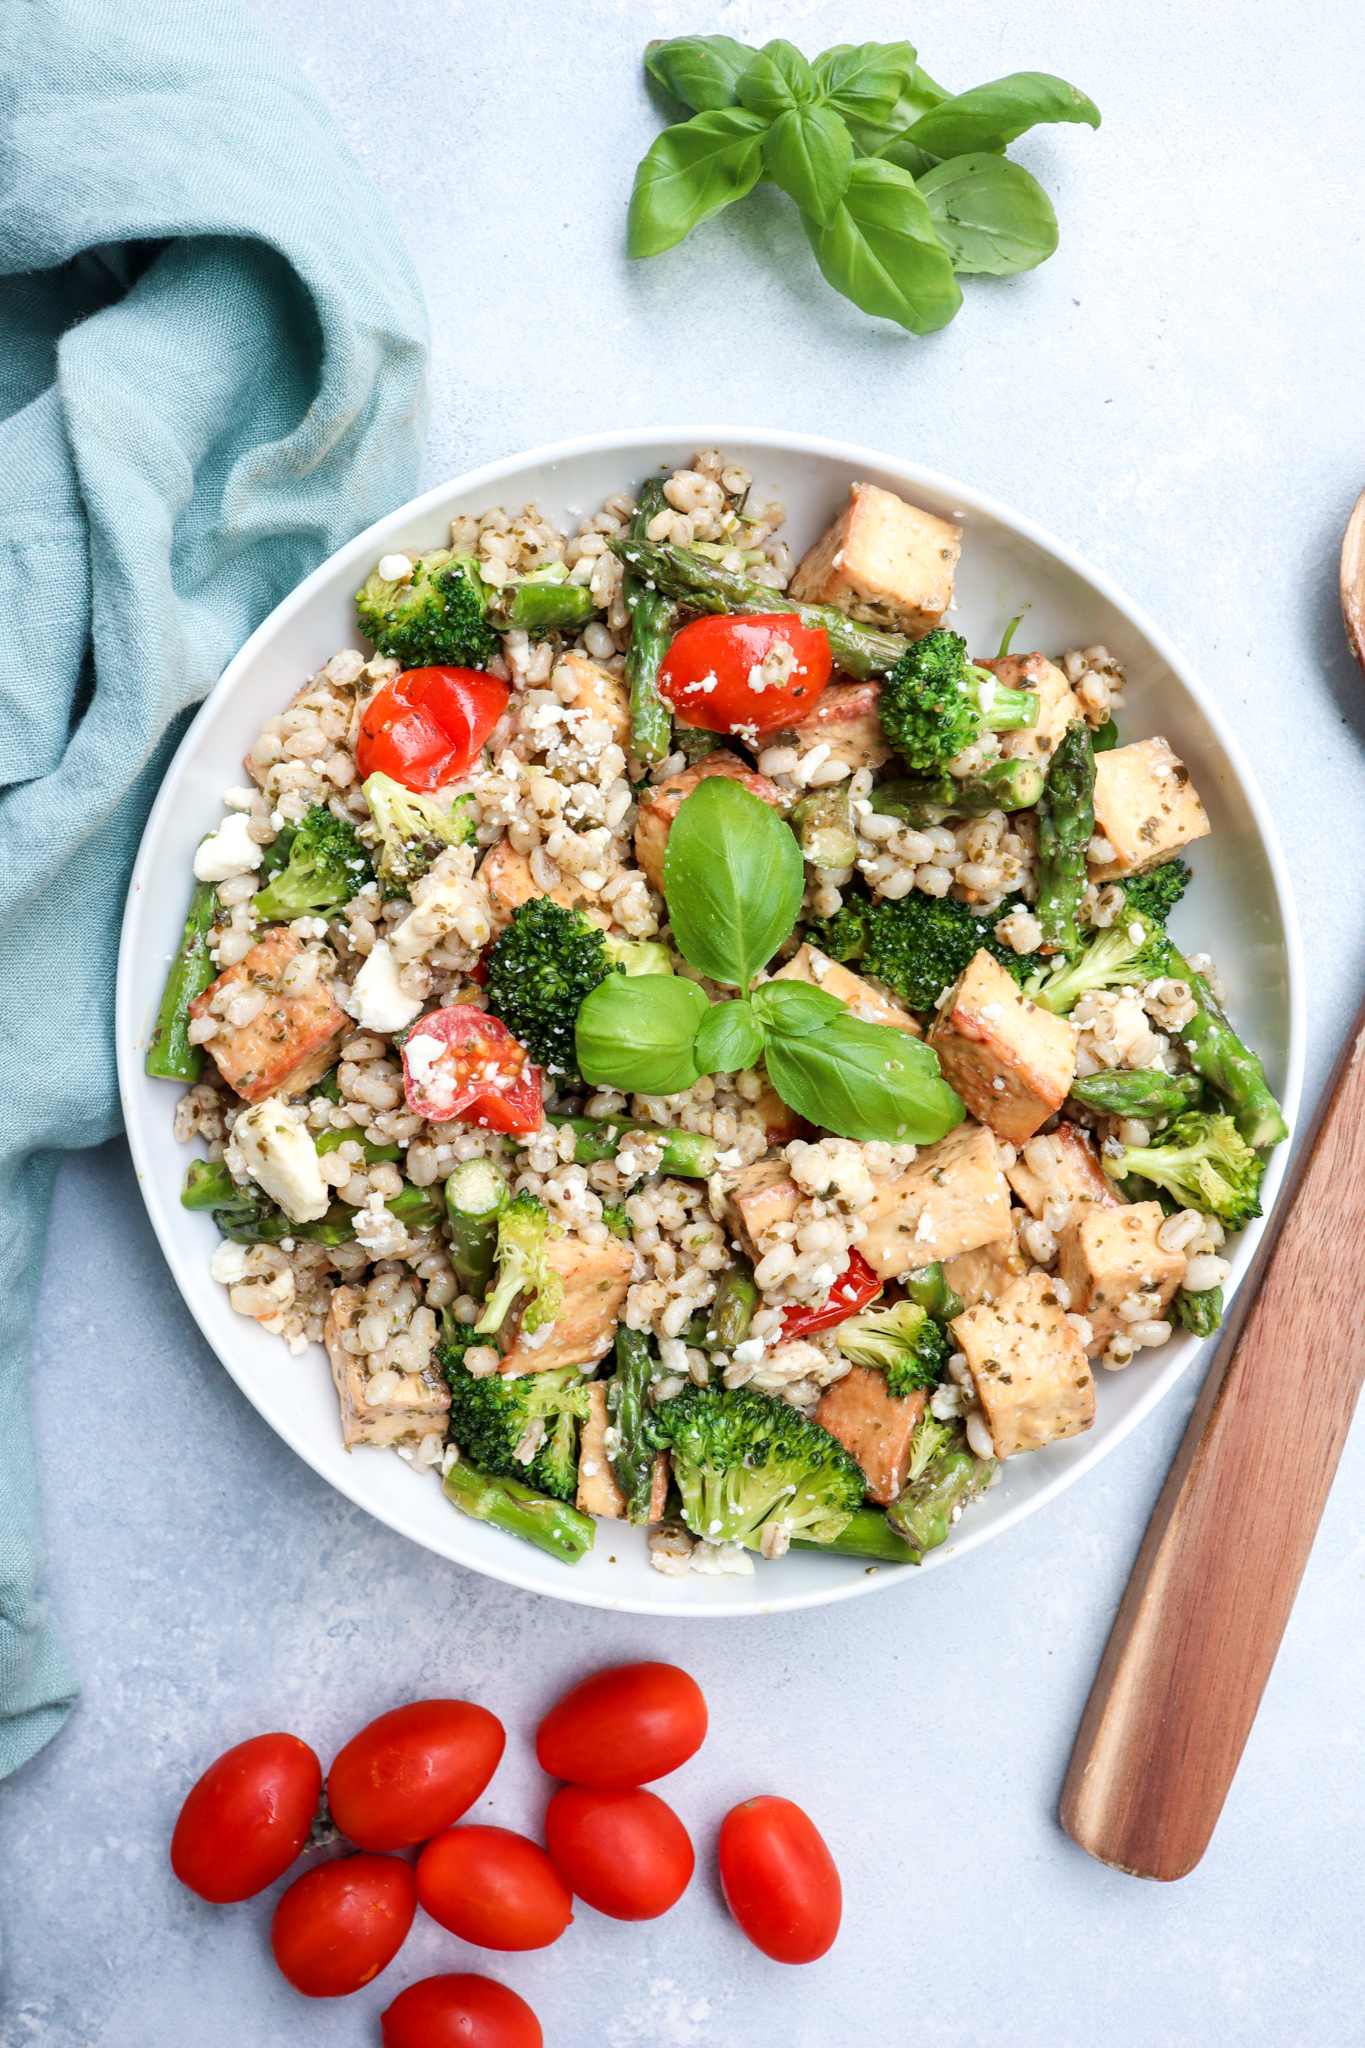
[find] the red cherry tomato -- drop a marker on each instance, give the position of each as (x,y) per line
(493,1888)
(625,1853)
(340,1924)
(247,1818)
(623,1726)
(426,727)
(714,675)
(413,1772)
(852,1291)
(460,1063)
(779,1880)
(460,2012)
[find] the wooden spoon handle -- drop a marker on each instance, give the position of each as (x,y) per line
(1201,1621)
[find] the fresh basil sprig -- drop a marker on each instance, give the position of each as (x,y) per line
(899,183)
(733,878)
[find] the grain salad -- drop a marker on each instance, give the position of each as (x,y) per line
(694,1046)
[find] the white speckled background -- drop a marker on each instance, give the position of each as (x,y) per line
(1177,393)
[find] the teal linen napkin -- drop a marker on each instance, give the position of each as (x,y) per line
(212,360)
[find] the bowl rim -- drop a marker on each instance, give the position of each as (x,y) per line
(626,442)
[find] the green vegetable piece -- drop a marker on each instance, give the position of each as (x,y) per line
(476,1195)
(329,1086)
(413,830)
(864,82)
(935,703)
(887,138)
(902,1341)
(523,1234)
(207,1185)
(170,1056)
(880,250)
(440,618)
(864,1081)
(1132,950)
(999,786)
(1218,1054)
(1202,1314)
(690,172)
(730,1314)
(928,1289)
(733,878)
(545,966)
(945,1481)
(637,1035)
(990,215)
(694,744)
(867,1533)
(327,866)
(808,154)
(687,1153)
(493,1417)
(552,1525)
(918,945)
(823,824)
(330,1140)
(632,1462)
(1066,825)
(701,71)
(651,629)
(728,1040)
(775,80)
(1008,635)
(742,1458)
(538,604)
(1202,1162)
(1146,1093)
(990,117)
(1107,738)
(1158,891)
(617,1221)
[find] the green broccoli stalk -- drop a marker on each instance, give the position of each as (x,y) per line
(741,1458)
(944,1476)
(1203,1162)
(928,1288)
(523,1427)
(523,1235)
(324,865)
(439,618)
(918,945)
(902,1341)
(1133,950)
(413,830)
(935,703)
(543,969)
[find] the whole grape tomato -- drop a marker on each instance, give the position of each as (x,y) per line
(745,675)
(413,1772)
(247,1818)
(341,1923)
(779,1880)
(460,2012)
(624,1853)
(462,1063)
(623,1726)
(493,1888)
(427,726)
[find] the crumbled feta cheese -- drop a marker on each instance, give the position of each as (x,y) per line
(229,851)
(228,1264)
(376,1001)
(722,1560)
(282,1159)
(395,569)
(239,799)
(749,1352)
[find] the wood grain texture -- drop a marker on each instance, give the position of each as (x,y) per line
(1353,580)
(1219,1569)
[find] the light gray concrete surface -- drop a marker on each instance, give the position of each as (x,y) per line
(1176,393)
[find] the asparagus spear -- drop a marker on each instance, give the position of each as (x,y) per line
(632,1462)
(823,825)
(330,1141)
(1200,1313)
(867,1534)
(1000,786)
(651,628)
(1146,1093)
(732,1311)
(1226,1064)
(170,1056)
(476,1195)
(685,1152)
(924,1512)
(550,1524)
(928,1289)
(541,604)
(1066,824)
(247,1217)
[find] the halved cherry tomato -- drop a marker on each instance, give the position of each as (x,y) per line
(247,1818)
(851,1292)
(779,1880)
(623,1726)
(425,727)
(626,1853)
(340,1924)
(413,1772)
(460,2012)
(461,1063)
(493,1888)
(714,673)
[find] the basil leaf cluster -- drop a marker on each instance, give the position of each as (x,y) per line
(902,187)
(733,877)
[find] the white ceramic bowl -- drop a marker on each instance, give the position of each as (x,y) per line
(1239,908)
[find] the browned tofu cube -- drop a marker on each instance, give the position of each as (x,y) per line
(875,1426)
(845,720)
(1145,806)
(294,1039)
(1079,1176)
(951,1200)
(1058,705)
(654,820)
(1011,1062)
(596,1277)
(598,1493)
(600,698)
(983,1275)
(506,874)
(872,1005)
(1109,1254)
(883,561)
(415,1408)
(1028,1367)
(780,1122)
(755,1198)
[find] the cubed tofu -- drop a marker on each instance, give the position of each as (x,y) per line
(954,1198)
(1079,1176)
(1058,705)
(780,1122)
(983,1275)
(872,1005)
(282,1159)
(295,1038)
(845,720)
(1011,1062)
(598,1493)
(1028,1367)
(882,561)
(1109,1254)
(1145,806)
(654,820)
(875,1426)
(596,1277)
(600,697)
(755,1197)
(506,874)
(415,1408)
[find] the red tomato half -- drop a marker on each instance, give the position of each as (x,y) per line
(461,1063)
(460,2012)
(247,1818)
(713,674)
(493,1888)
(340,1924)
(413,1772)
(625,1853)
(425,728)
(851,1292)
(623,1726)
(779,1880)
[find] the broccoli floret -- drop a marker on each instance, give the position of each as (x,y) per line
(931,1436)
(523,1234)
(543,969)
(325,865)
(1203,1162)
(935,703)
(439,618)
(741,1458)
(617,1221)
(918,945)
(1132,950)
(903,1341)
(1158,891)
(413,830)
(525,1427)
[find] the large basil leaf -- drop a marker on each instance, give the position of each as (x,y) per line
(733,878)
(701,71)
(730,1038)
(864,1081)
(990,117)
(636,1033)
(880,138)
(989,214)
(795,1007)
(865,81)
(775,81)
(881,250)
(692,171)
(808,153)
